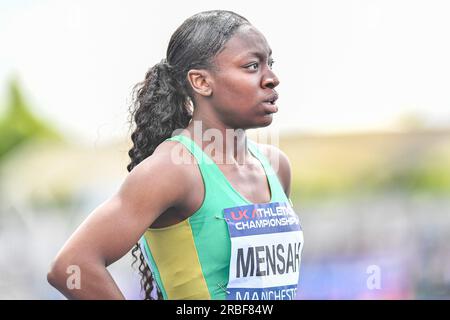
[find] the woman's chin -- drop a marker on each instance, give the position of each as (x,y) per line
(264,121)
(268,118)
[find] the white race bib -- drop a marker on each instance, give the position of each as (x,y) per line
(266,247)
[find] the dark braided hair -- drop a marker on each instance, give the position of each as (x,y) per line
(163,102)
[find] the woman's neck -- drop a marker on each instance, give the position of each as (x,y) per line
(223,144)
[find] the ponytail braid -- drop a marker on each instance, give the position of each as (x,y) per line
(161,106)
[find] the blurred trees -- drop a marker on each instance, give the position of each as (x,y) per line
(413,161)
(18,125)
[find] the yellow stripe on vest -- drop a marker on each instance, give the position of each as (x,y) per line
(175,254)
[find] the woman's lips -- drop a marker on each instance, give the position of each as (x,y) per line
(270,108)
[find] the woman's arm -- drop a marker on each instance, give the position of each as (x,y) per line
(113,228)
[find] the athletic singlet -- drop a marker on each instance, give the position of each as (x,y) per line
(230,248)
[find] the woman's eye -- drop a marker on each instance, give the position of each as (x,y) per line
(253,65)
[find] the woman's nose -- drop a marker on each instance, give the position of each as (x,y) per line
(270,80)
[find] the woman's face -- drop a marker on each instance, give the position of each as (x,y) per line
(244,81)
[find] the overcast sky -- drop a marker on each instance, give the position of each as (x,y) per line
(343,65)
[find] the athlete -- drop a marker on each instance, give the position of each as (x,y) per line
(206,209)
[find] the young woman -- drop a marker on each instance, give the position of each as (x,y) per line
(207,209)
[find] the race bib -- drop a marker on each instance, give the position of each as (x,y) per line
(266,247)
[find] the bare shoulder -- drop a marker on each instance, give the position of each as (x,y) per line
(154,185)
(167,172)
(280,164)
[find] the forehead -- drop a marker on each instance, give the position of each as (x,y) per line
(246,41)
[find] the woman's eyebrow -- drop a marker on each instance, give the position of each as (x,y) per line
(258,54)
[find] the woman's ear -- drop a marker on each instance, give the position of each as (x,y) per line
(200,81)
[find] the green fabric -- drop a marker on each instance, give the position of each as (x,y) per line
(209,228)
